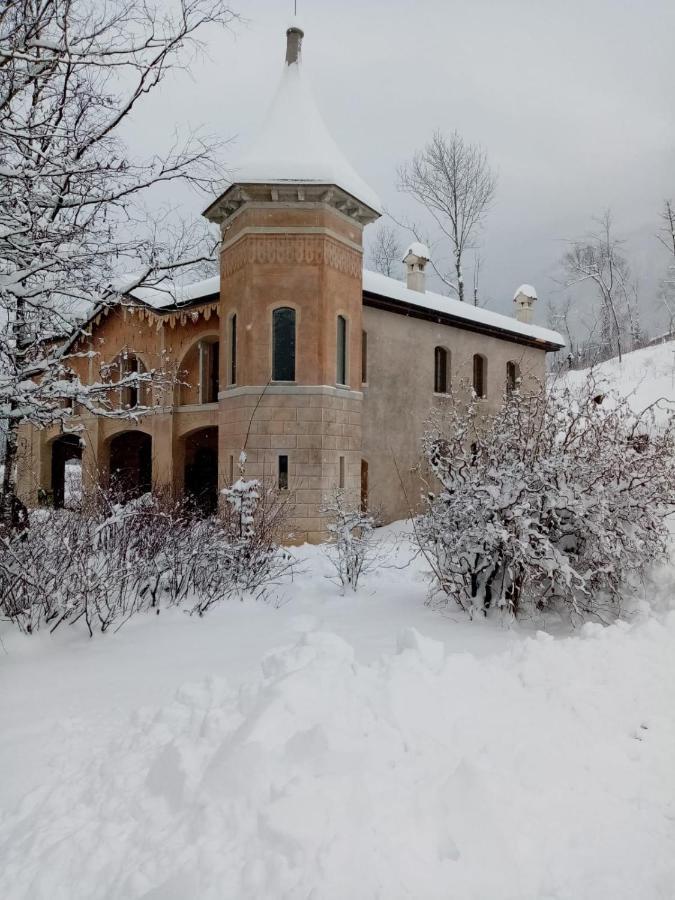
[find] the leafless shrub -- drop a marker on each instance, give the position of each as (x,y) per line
(352,550)
(116,560)
(558,500)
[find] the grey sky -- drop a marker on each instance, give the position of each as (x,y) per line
(573,102)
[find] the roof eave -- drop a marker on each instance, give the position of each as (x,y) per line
(293,191)
(401,307)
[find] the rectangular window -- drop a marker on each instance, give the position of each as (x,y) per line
(341,374)
(342,472)
(283,473)
(233,350)
(364,357)
(214,366)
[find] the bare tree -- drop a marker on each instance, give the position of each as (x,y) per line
(386,251)
(71,75)
(666,237)
(666,233)
(454,183)
(599,259)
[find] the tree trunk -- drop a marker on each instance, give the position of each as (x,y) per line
(13,514)
(460,278)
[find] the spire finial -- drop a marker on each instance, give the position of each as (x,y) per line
(294,36)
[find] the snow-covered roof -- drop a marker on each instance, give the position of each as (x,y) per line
(417,249)
(294,146)
(527,290)
(170,295)
(167,293)
(391,288)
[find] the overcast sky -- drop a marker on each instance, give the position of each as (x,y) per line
(573,101)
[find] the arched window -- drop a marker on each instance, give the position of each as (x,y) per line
(480,376)
(512,377)
(209,365)
(440,370)
(233,349)
(341,368)
(136,392)
(283,344)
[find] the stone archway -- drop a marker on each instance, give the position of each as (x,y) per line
(65,448)
(130,465)
(201,470)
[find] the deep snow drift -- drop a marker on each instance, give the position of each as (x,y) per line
(355,747)
(364,759)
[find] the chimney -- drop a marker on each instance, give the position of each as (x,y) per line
(294,36)
(525,298)
(416,258)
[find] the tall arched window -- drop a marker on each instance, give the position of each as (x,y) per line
(341,368)
(283,344)
(209,366)
(512,377)
(440,370)
(480,376)
(233,349)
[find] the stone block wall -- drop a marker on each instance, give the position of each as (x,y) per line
(314,427)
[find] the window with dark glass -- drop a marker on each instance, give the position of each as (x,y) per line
(129,396)
(512,377)
(213,372)
(364,486)
(209,364)
(283,473)
(480,376)
(440,370)
(341,375)
(364,357)
(233,350)
(283,344)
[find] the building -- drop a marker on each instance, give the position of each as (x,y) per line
(324,372)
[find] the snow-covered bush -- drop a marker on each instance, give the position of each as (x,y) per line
(559,499)
(352,550)
(254,518)
(107,564)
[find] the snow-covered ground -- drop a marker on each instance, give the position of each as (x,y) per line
(325,747)
(644,376)
(387,750)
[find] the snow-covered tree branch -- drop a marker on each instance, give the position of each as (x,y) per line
(71,73)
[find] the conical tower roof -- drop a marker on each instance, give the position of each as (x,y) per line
(294,146)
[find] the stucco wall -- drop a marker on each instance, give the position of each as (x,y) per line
(399,395)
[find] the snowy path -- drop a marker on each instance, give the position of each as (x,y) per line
(362,761)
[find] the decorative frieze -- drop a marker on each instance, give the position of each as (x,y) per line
(300,249)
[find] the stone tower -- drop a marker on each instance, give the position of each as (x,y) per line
(291,300)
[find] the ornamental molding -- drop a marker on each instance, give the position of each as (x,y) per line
(291,249)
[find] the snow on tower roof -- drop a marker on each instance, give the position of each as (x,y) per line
(295,147)
(418,249)
(527,290)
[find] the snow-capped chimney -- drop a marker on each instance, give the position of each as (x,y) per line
(525,298)
(416,258)
(294,36)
